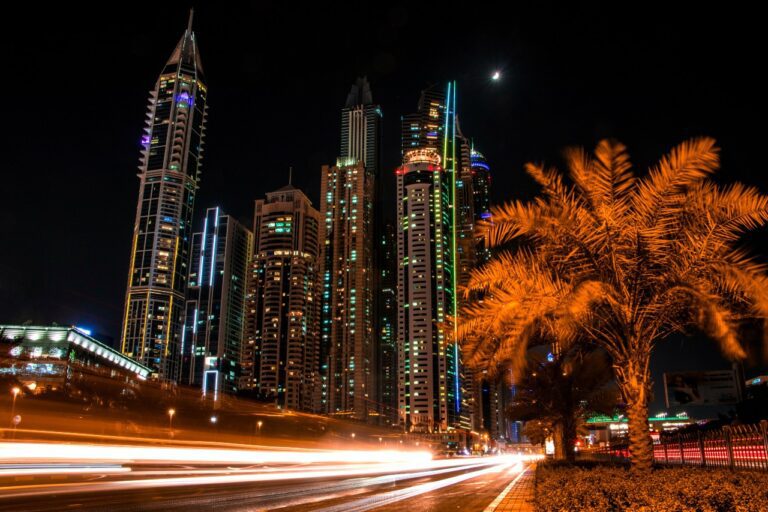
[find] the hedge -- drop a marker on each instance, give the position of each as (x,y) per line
(604,487)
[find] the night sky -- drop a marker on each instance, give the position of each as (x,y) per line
(76,82)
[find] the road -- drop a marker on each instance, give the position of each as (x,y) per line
(90,477)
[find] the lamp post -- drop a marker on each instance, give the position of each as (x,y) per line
(259,424)
(15,392)
(171,413)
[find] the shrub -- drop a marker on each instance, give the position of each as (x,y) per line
(602,487)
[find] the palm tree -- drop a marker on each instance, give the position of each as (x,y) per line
(621,261)
(560,394)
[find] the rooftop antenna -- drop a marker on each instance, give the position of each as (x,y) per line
(290,175)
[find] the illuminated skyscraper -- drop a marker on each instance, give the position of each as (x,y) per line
(281,348)
(211,342)
(169,176)
(429,389)
(426,394)
(348,195)
(346,192)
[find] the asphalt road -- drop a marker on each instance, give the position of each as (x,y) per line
(469,484)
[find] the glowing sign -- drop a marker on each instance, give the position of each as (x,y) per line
(426,155)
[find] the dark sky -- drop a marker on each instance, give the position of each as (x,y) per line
(77,78)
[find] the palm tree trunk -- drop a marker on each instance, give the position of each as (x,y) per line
(634,381)
(559,439)
(569,434)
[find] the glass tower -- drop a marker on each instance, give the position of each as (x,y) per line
(169,174)
(214,316)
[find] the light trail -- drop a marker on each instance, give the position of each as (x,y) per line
(392,471)
(60,469)
(122,453)
(387,498)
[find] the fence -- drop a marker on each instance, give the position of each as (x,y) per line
(734,447)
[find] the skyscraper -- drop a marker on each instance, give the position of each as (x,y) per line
(281,355)
(169,176)
(350,193)
(429,388)
(387,323)
(211,342)
(346,192)
(481,190)
(424,293)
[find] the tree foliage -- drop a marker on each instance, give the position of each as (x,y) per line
(620,260)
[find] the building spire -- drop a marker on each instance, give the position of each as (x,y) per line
(360,93)
(186,50)
(290,176)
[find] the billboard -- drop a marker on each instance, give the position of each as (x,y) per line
(719,387)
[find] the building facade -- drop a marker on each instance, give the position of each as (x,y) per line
(426,366)
(387,325)
(281,353)
(346,192)
(214,318)
(169,175)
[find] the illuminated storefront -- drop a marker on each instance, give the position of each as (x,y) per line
(603,429)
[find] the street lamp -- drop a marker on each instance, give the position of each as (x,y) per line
(171,413)
(214,419)
(259,424)
(15,392)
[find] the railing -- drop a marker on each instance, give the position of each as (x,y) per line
(734,447)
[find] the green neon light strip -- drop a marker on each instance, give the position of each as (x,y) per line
(450,131)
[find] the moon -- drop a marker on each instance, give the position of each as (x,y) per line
(496,75)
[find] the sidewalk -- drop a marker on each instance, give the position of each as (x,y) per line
(520,496)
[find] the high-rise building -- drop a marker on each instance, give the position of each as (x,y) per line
(350,209)
(481,401)
(429,387)
(281,355)
(426,393)
(214,319)
(169,176)
(346,193)
(387,325)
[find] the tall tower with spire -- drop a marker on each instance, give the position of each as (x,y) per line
(350,207)
(169,174)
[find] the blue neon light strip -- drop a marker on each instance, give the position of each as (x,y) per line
(213,254)
(202,252)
